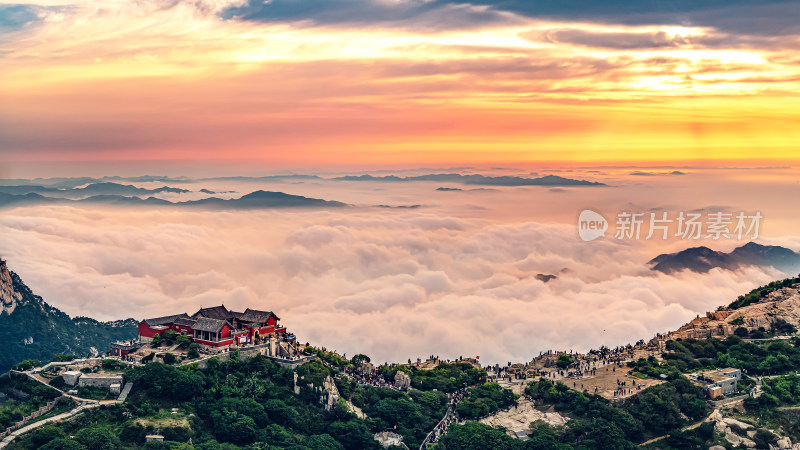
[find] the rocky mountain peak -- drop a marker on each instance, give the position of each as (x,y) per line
(9,297)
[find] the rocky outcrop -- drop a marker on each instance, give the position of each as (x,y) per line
(782,304)
(520,417)
(330,395)
(9,297)
(402,380)
(723,426)
(727,425)
(32,329)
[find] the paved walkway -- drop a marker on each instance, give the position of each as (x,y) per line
(77,410)
(83,405)
(450,416)
(686,428)
(32,376)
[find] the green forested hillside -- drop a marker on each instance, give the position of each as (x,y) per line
(242,404)
(36,330)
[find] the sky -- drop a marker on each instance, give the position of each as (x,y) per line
(288,84)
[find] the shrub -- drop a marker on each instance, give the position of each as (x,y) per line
(564,361)
(28,364)
(60,357)
(111,364)
(193,351)
(169,337)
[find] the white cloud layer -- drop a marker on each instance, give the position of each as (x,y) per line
(391,283)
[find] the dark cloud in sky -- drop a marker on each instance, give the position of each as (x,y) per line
(435,14)
(14,17)
(767,17)
(621,40)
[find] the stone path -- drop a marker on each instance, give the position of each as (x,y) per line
(449,417)
(688,427)
(125,391)
(77,410)
(32,376)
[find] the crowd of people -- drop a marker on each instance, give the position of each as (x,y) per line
(623,389)
(366,375)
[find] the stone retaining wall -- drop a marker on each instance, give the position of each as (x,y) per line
(40,412)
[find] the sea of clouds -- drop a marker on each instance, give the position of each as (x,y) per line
(455,277)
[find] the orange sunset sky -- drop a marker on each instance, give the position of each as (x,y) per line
(386,82)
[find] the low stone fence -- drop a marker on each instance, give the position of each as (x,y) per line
(725,401)
(244,353)
(40,412)
(99,380)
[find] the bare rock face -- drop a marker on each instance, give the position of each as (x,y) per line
(783,304)
(748,443)
(331,394)
(401,380)
(733,438)
(740,424)
(8,296)
(520,417)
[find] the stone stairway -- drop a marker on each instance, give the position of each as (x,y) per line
(125,391)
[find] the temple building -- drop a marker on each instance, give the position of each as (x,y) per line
(216,326)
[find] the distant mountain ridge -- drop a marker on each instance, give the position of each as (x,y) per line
(32,329)
(477,179)
(703,259)
(253,200)
(505,180)
(101,188)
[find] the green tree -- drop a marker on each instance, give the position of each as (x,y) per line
(359,358)
(97,438)
(46,434)
(156,342)
(28,364)
(193,351)
(564,361)
(110,364)
(236,428)
(63,444)
(323,442)
(169,337)
(353,435)
(477,436)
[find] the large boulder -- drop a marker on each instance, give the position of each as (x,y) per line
(402,380)
(749,443)
(733,438)
(731,421)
